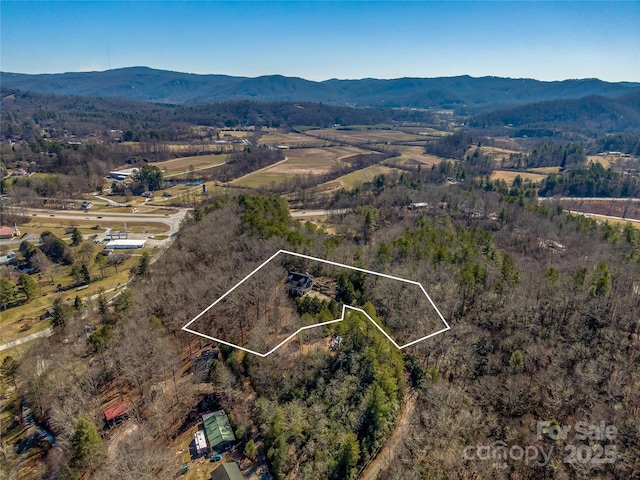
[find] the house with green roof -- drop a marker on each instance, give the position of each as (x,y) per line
(217,429)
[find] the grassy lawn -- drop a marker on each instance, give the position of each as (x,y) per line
(23,320)
(261,179)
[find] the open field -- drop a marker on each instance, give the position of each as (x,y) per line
(262,179)
(303,161)
(424,131)
(182,165)
(358,177)
(291,140)
(316,161)
(365,136)
(510,175)
(495,153)
(612,161)
(413,156)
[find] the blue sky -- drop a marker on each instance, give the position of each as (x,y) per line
(328,39)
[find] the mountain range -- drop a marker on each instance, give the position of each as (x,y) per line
(463,93)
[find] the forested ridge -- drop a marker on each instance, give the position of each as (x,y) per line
(463,91)
(543,308)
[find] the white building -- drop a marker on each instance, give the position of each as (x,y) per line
(124,244)
(122,174)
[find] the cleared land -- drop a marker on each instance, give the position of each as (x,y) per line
(303,161)
(510,175)
(413,156)
(295,140)
(358,177)
(182,165)
(365,136)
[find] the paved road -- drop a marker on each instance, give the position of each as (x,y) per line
(49,331)
(599,216)
(318,213)
(599,199)
(19,341)
(172,220)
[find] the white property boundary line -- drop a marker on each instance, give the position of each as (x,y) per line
(344,307)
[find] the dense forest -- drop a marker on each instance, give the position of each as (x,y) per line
(595,181)
(25,113)
(543,308)
(588,116)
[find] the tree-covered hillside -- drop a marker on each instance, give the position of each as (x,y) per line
(543,308)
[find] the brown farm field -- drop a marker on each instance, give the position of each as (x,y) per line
(295,140)
(182,165)
(510,175)
(413,156)
(298,162)
(611,161)
(544,170)
(365,136)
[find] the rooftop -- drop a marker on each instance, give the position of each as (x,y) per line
(217,428)
(118,410)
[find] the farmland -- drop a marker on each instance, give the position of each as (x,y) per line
(292,140)
(299,162)
(358,177)
(509,176)
(412,156)
(183,164)
(364,136)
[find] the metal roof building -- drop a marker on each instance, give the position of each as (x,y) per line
(217,428)
(227,471)
(124,244)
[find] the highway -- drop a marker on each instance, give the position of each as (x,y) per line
(172,220)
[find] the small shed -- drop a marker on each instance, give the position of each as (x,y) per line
(297,284)
(9,232)
(117,413)
(217,429)
(227,471)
